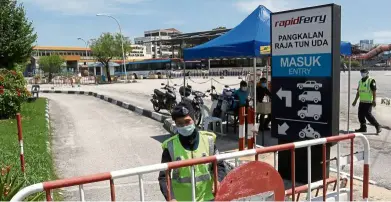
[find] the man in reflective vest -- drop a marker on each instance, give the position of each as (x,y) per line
(189,143)
(366,91)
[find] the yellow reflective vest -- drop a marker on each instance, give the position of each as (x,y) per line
(181,177)
(365,92)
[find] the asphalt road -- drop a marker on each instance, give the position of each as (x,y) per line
(139,94)
(92,136)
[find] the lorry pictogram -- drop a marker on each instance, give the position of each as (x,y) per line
(314,111)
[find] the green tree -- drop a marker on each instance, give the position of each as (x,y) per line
(51,64)
(17,34)
(108,47)
(219,28)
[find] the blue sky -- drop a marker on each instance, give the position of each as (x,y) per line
(61,22)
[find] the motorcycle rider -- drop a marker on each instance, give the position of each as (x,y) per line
(241,95)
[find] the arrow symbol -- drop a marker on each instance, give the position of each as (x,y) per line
(283,128)
(288,96)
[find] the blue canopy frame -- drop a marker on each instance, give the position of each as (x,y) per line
(245,40)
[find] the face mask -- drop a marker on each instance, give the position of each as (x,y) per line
(186,130)
(363,75)
(263,85)
(244,88)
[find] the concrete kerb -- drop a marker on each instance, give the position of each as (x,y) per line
(47,116)
(168,124)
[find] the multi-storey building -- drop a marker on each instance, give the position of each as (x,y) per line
(138,52)
(158,50)
(366,44)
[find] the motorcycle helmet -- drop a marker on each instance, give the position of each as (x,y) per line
(187,91)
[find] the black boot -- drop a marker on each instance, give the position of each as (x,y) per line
(362,129)
(378,129)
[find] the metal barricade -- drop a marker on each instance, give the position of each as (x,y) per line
(167,167)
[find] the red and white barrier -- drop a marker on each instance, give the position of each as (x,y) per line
(250,128)
(242,129)
(20,138)
(167,167)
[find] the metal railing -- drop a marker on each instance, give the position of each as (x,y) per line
(167,167)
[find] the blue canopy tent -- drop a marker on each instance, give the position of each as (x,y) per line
(244,40)
(346,48)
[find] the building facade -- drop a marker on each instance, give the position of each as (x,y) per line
(366,44)
(158,50)
(75,58)
(138,52)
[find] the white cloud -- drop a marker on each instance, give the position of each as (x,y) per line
(88,7)
(174,22)
(382,36)
(272,5)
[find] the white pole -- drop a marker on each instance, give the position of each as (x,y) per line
(122,42)
(350,63)
(255,97)
(88,68)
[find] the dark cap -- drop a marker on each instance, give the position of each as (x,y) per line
(183,109)
(364,70)
(263,79)
(243,83)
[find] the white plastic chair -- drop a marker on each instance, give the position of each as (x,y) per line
(207,118)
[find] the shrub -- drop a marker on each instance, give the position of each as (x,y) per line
(13,93)
(11,183)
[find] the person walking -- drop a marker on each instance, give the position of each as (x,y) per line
(262,91)
(366,91)
(189,143)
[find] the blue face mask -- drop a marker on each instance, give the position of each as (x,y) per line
(263,85)
(186,130)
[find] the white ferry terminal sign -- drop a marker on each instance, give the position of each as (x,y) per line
(305,72)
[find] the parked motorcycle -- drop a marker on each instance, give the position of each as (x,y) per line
(164,100)
(197,102)
(222,102)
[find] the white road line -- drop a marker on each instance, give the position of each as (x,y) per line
(354,177)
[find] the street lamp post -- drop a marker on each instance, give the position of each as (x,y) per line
(122,42)
(86,53)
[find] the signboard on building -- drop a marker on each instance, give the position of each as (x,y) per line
(264,50)
(305,72)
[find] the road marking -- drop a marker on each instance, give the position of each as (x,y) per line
(301,121)
(354,177)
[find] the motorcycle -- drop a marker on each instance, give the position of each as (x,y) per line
(309,132)
(222,102)
(164,100)
(197,102)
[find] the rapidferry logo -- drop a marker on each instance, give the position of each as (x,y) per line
(301,20)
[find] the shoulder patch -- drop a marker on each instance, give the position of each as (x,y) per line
(164,144)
